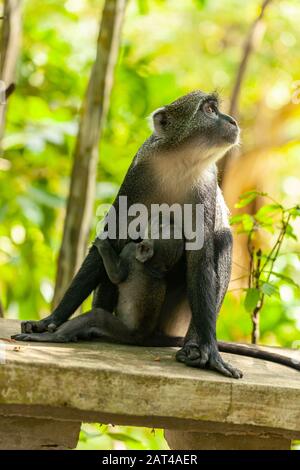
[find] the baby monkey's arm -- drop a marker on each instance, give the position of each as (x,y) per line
(116,268)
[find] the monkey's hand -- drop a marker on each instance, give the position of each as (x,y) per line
(206,356)
(47,324)
(101,245)
(42,337)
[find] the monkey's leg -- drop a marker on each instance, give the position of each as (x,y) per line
(223,261)
(200,348)
(89,276)
(97,323)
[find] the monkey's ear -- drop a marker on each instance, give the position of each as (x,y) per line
(144,251)
(160,120)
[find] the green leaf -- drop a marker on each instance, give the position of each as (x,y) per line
(89,435)
(267,210)
(251,299)
(143,7)
(268,227)
(290,232)
(268,289)
(288,279)
(200,3)
(248,223)
(248,197)
(122,437)
(236,219)
(294,211)
(246,220)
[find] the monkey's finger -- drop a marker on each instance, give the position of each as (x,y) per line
(26,327)
(193,356)
(33,326)
(197,358)
(200,361)
(52,327)
(188,352)
(220,366)
(35,337)
(237,374)
(20,337)
(181,355)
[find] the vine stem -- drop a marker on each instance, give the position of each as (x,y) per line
(257,272)
(255,313)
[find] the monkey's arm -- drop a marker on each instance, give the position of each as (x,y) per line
(116,267)
(86,280)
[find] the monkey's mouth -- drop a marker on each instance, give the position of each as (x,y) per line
(231,134)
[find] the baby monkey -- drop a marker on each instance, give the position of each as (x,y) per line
(139,272)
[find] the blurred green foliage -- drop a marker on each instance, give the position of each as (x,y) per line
(271,223)
(101,437)
(169,47)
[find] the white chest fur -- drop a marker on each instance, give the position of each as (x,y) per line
(179,172)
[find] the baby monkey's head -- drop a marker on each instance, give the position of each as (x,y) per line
(163,250)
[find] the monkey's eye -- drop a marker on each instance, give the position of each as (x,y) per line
(210,108)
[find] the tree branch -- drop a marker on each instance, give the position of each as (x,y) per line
(247,50)
(83,179)
(9,50)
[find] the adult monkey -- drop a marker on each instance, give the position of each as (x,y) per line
(176,164)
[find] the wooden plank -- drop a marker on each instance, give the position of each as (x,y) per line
(138,382)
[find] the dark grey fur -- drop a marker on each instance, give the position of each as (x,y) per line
(175,165)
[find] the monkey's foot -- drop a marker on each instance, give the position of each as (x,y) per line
(41,337)
(206,356)
(47,324)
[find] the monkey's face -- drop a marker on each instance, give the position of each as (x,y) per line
(195,120)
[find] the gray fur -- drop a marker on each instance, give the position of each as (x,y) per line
(176,164)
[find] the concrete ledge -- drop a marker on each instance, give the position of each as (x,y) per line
(144,386)
(19,433)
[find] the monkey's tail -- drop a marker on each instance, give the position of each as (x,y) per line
(253,351)
(161,340)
